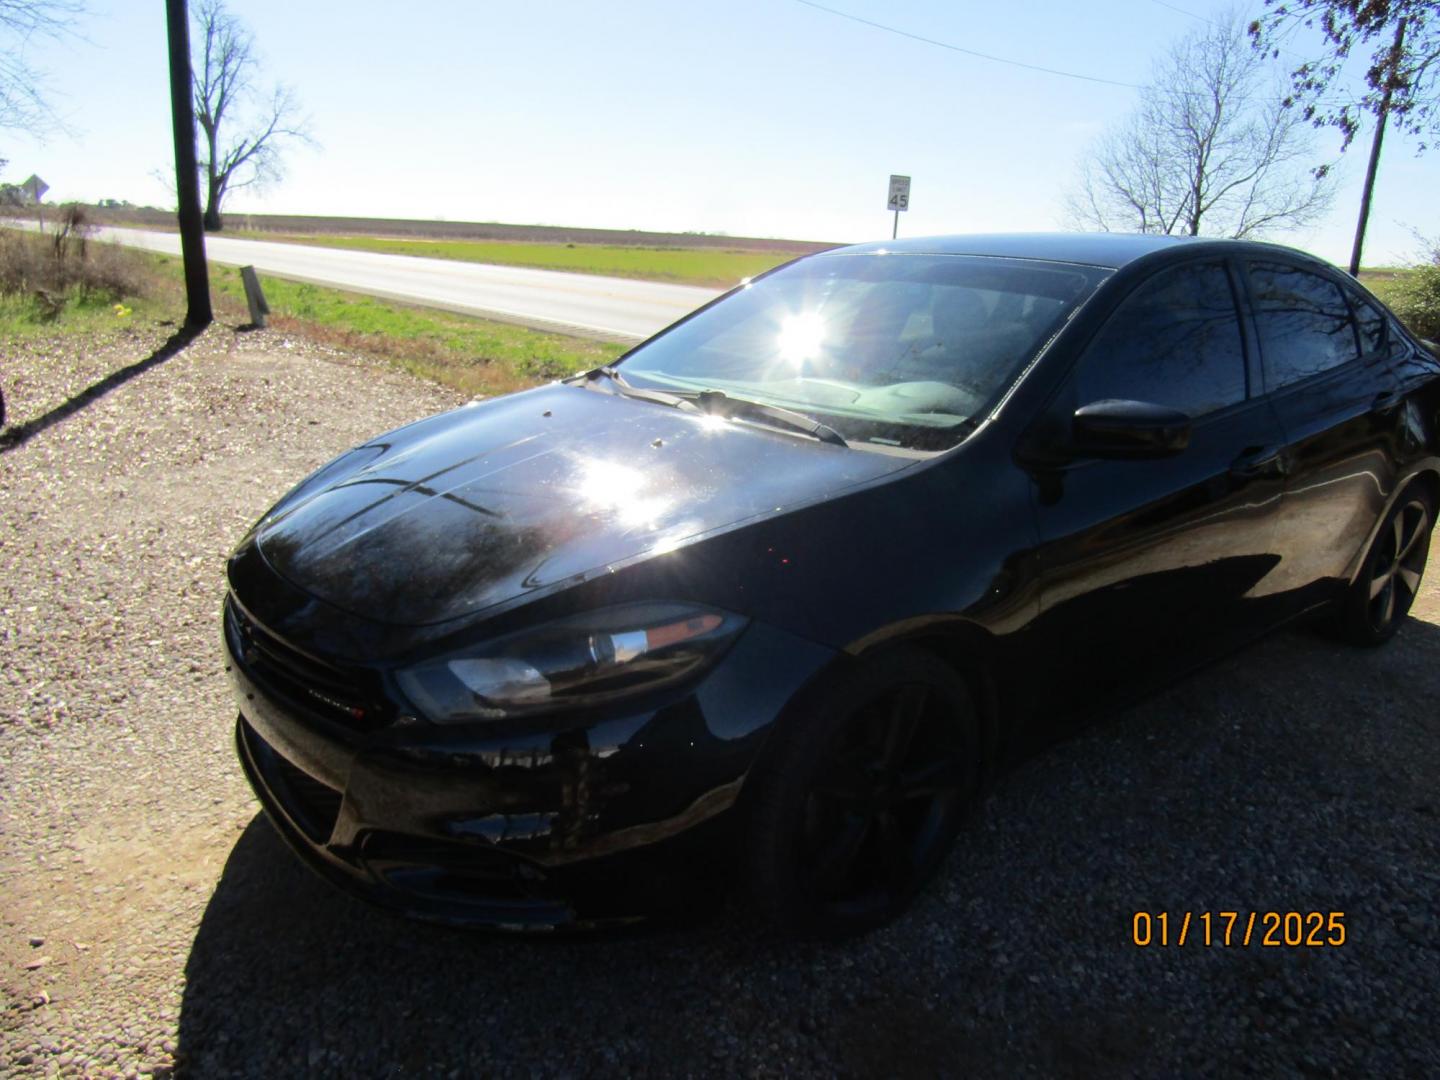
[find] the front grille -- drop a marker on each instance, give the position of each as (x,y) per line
(345,696)
(312,805)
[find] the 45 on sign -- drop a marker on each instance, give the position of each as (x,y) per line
(899,194)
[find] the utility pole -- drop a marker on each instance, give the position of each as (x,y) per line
(1369,189)
(198,313)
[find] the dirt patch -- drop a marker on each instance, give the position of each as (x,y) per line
(121,797)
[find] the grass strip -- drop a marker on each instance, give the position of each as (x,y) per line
(474,356)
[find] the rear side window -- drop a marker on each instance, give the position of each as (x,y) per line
(1175,341)
(1305,325)
(1371,323)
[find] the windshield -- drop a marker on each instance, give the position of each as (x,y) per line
(894,350)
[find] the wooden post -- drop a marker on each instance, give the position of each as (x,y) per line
(254,297)
(198,312)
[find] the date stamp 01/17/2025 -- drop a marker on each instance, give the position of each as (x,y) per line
(1227,929)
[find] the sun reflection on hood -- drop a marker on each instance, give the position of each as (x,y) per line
(621,490)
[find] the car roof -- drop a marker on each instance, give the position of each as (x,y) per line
(1112,250)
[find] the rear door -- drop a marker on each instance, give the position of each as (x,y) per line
(1144,562)
(1325,362)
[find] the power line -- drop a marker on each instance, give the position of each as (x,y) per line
(1182,11)
(999,59)
(968,52)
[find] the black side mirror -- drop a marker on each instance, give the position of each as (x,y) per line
(1129,429)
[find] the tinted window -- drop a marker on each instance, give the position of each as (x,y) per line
(1396,340)
(1371,322)
(1175,341)
(1305,325)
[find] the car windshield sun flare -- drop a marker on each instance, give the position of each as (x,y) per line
(801,337)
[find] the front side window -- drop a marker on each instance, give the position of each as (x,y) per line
(1305,325)
(891,349)
(1174,341)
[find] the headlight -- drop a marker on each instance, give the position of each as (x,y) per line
(576,661)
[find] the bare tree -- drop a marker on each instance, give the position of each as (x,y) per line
(1210,150)
(23,104)
(226,99)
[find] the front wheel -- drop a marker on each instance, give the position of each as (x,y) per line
(1380,598)
(861,794)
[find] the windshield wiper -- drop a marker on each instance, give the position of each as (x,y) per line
(718,403)
(623,386)
(722,404)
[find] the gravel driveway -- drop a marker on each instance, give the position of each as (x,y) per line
(153,924)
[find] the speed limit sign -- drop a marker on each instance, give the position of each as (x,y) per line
(899,194)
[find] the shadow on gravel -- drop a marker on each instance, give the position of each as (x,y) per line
(1296,776)
(19,434)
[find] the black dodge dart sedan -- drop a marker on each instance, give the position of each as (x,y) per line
(769,599)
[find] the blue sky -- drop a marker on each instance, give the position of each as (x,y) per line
(753,117)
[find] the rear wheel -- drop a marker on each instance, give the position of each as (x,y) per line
(1382,593)
(861,795)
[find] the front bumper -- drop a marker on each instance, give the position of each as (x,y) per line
(571,820)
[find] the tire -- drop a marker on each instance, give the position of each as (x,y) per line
(1379,599)
(860,795)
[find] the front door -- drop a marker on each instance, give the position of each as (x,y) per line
(1148,563)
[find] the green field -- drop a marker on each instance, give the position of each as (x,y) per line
(690,266)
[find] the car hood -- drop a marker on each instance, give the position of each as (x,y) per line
(493,502)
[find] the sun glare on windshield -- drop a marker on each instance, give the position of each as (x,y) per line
(801,337)
(902,351)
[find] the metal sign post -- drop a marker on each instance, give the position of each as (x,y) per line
(899,199)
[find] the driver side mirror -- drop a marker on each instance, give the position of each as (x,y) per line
(1129,429)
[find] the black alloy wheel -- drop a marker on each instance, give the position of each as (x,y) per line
(1389,580)
(862,795)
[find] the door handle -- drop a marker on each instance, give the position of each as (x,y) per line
(1252,464)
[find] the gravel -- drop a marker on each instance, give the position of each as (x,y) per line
(152,924)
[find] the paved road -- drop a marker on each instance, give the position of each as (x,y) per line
(615,309)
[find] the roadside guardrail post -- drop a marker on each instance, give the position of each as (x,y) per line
(254,297)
